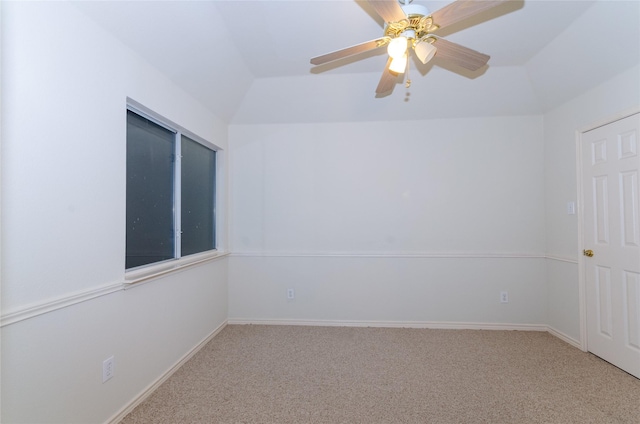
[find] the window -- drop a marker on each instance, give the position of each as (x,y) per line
(170,193)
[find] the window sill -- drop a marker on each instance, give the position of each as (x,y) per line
(155,271)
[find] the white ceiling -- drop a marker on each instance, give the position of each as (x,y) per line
(248,60)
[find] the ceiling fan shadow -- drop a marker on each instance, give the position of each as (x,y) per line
(422,68)
(452,67)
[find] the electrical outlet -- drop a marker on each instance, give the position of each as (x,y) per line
(291,294)
(107,369)
(504,297)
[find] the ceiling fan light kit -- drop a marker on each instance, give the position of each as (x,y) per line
(398,46)
(398,64)
(425,50)
(410,26)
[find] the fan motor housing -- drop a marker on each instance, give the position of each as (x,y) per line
(418,19)
(415,9)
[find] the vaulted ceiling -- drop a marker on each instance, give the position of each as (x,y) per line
(248,60)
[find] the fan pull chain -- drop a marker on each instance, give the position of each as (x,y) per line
(408,83)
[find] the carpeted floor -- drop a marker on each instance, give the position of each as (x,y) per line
(289,374)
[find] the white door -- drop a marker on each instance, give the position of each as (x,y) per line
(611,229)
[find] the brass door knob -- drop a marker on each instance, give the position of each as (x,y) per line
(588,253)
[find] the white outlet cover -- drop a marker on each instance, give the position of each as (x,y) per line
(107,369)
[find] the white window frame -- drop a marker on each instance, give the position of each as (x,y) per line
(148,272)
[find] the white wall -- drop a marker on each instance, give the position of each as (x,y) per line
(65,84)
(389,221)
(605,102)
(52,363)
(387,290)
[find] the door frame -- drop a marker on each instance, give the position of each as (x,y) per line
(582,284)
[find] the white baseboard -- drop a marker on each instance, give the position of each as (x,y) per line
(153,386)
(394,324)
(568,339)
(414,324)
(393,255)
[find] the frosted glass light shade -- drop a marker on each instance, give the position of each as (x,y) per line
(397,47)
(398,65)
(425,51)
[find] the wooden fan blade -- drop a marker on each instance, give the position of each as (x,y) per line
(389,10)
(387,81)
(462,9)
(460,55)
(350,51)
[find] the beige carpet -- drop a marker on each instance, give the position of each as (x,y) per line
(287,374)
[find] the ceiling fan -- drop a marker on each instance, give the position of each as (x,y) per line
(411,26)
